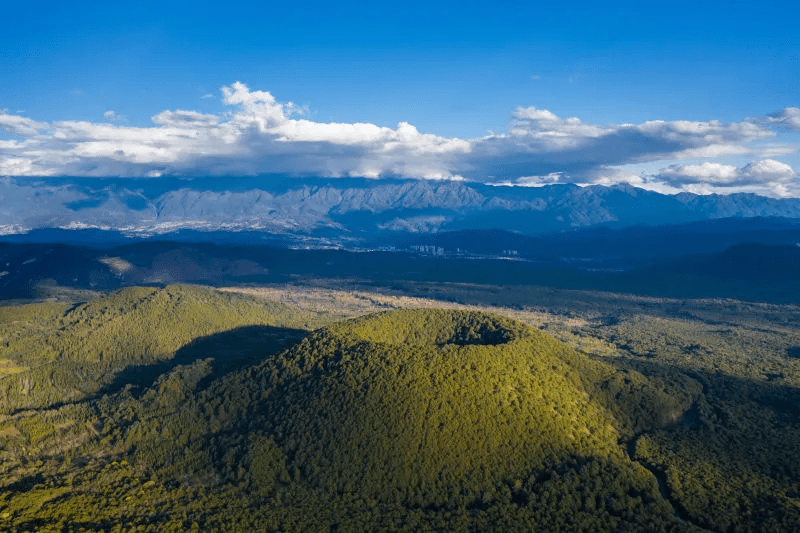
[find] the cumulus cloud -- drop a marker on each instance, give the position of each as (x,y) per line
(17,125)
(540,143)
(767,176)
(708,172)
(768,170)
(789,117)
(552,131)
(257,134)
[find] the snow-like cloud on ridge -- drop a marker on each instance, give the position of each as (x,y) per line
(258,134)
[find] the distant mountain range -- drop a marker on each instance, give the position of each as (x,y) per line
(349,213)
(108,233)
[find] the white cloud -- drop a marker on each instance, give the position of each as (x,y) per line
(18,166)
(768,170)
(540,143)
(17,125)
(714,150)
(113,116)
(614,176)
(256,107)
(707,172)
(552,131)
(539,181)
(258,134)
(767,177)
(774,150)
(789,117)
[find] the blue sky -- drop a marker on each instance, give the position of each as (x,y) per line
(86,75)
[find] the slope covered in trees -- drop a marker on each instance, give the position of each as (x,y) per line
(67,353)
(438,408)
(226,412)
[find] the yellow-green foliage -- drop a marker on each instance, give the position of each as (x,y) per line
(23,329)
(477,422)
(9,368)
(66,354)
(431,407)
(402,421)
(141,322)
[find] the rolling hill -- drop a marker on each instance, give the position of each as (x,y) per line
(186,408)
(434,418)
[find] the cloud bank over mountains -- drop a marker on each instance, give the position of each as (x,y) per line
(259,135)
(780,177)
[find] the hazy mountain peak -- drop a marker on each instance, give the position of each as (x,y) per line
(356,206)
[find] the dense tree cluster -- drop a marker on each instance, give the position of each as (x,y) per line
(68,353)
(184,408)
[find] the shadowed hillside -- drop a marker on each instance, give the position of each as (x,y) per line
(64,353)
(440,408)
(404,420)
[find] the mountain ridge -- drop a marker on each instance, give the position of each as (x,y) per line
(351,209)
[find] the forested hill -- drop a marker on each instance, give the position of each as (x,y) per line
(183,407)
(442,419)
(63,353)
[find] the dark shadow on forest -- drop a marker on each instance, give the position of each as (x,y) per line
(722,387)
(736,421)
(231,350)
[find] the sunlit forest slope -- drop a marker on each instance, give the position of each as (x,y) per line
(188,408)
